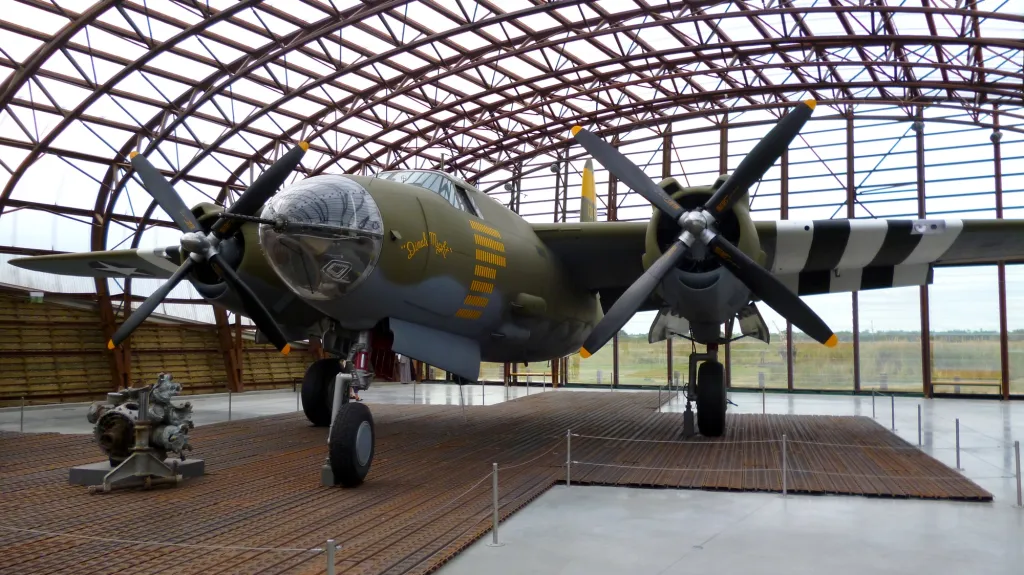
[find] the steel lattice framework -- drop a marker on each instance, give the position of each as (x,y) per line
(212,91)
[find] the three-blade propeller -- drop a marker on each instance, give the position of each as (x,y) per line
(699,225)
(202,247)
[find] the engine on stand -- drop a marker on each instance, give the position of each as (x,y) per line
(137,429)
(115,421)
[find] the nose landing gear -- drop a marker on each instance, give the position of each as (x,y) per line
(350,439)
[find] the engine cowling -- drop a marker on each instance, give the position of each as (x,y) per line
(699,288)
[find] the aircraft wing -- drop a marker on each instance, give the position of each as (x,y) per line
(599,256)
(138,263)
(810,257)
(831,256)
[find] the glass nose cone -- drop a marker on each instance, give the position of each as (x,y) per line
(326,238)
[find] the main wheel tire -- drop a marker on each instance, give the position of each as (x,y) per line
(351,444)
(318,390)
(711,399)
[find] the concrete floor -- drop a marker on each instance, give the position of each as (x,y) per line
(597,530)
(613,530)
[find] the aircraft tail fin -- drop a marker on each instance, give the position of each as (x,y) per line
(588,201)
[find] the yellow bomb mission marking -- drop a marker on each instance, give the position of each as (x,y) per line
(413,247)
(484,229)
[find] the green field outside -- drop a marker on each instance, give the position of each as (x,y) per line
(889,361)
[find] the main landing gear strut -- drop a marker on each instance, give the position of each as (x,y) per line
(326,392)
(709,394)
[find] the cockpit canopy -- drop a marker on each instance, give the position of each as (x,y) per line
(437,182)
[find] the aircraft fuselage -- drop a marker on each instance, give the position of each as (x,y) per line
(479,272)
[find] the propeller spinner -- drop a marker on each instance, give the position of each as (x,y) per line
(698,225)
(202,247)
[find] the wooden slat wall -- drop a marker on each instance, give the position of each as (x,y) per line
(55,353)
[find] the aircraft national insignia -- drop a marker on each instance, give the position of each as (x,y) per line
(336,270)
(440,248)
(126,271)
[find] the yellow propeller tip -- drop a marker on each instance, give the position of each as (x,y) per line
(811,103)
(584,353)
(832,341)
(286,349)
(132,154)
(110,344)
(304,145)
(576,130)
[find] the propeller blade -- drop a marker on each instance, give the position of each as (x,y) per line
(147,307)
(627,172)
(762,157)
(254,308)
(253,198)
(772,291)
(169,201)
(632,299)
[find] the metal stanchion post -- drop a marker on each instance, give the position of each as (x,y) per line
(762,401)
(330,556)
(783,464)
(1016,456)
(568,456)
(229,405)
(919,425)
(893,412)
(21,425)
(872,404)
(298,394)
(414,393)
(958,443)
(494,526)
(659,399)
(483,394)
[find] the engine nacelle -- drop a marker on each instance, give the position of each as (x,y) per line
(699,288)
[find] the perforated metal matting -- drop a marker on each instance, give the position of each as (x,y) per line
(260,507)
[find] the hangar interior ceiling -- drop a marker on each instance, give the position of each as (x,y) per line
(920,114)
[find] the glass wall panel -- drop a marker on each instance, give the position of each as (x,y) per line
(1015,325)
(492,371)
(890,339)
(641,363)
(757,364)
(964,316)
(595,370)
(816,366)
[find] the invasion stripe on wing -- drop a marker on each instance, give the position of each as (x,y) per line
(866,238)
(934,244)
(804,246)
(792,246)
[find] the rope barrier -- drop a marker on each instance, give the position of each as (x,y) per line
(675,441)
(553,447)
(983,434)
(872,476)
(895,447)
(162,544)
(788,470)
(669,468)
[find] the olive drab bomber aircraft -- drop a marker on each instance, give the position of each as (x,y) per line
(447,275)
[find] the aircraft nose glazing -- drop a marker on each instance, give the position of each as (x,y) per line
(328,239)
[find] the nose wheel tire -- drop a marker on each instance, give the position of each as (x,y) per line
(318,390)
(711,399)
(351,444)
